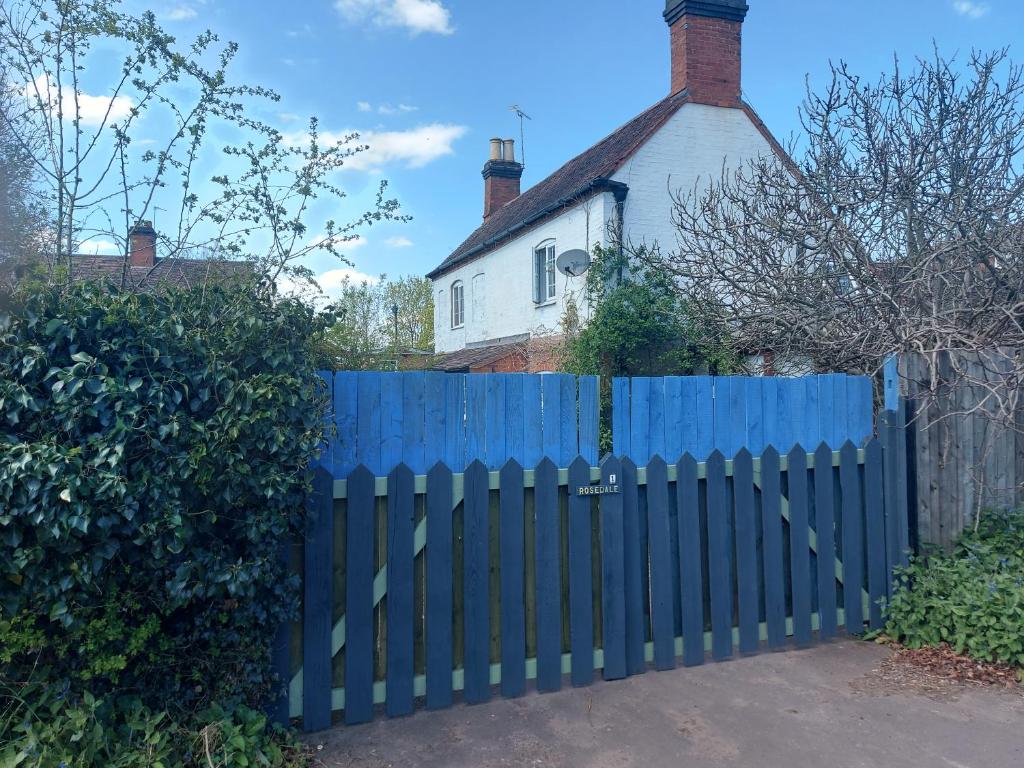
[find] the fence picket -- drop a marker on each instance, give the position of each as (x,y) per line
(414,418)
(799,545)
(515,421)
(476,580)
(494,437)
(853,538)
(581,607)
(705,417)
(399,605)
(434,417)
(589,416)
(613,600)
(533,435)
(392,422)
(621,417)
(439,587)
(691,577)
(875,527)
(552,420)
(568,425)
(318,603)
(677,423)
(746,551)
(640,420)
(659,545)
(368,387)
(455,425)
(513,551)
(771,526)
(824,517)
(720,571)
(632,544)
(547,554)
(656,418)
(345,399)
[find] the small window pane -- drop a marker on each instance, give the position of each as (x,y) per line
(458,306)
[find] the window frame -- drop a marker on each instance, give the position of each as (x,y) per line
(457,310)
(544,257)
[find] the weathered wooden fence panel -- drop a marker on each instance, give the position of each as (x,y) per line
(382,419)
(536,573)
(671,416)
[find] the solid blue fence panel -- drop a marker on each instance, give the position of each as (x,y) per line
(368,387)
(771,429)
(656,418)
(552,417)
(414,421)
(434,433)
(737,430)
(515,421)
(327,447)
(755,416)
(705,394)
(568,426)
(589,417)
(640,415)
(811,434)
(476,418)
(439,587)
(455,422)
(673,418)
(620,416)
(346,400)
(547,561)
(861,397)
(826,412)
(392,423)
(533,434)
(494,434)
(399,605)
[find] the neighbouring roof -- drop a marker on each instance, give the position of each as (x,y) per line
(476,357)
(183,273)
(585,173)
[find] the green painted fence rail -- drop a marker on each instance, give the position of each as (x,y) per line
(479,581)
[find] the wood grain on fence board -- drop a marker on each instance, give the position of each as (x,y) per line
(799,544)
(476,582)
(824,517)
(549,591)
(439,587)
(513,619)
(661,576)
(400,592)
(581,605)
(613,599)
(747,578)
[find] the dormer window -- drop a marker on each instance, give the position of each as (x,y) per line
(544,272)
(458,305)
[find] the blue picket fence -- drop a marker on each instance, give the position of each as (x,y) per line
(421,418)
(670,416)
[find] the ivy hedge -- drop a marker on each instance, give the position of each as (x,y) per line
(154,454)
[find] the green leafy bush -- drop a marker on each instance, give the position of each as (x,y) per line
(972,599)
(154,456)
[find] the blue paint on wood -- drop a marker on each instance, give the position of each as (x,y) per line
(747,579)
(455,427)
(640,419)
(568,424)
(659,543)
(613,584)
(533,436)
(620,416)
(547,559)
(346,415)
(439,587)
(368,385)
(656,418)
(875,530)
(476,418)
(771,428)
(853,538)
(723,414)
(434,430)
(772,532)
(686,433)
(552,419)
(633,569)
(737,430)
(589,418)
(705,394)
(581,607)
(824,511)
(318,603)
(719,544)
(494,435)
(788,419)
(414,421)
(399,605)
(826,413)
(392,426)
(861,398)
(755,442)
(515,421)
(811,434)
(513,555)
(691,577)
(800,545)
(476,581)
(359,572)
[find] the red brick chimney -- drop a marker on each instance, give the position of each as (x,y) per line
(706,49)
(142,244)
(502,175)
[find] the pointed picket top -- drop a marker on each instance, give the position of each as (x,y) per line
(439,471)
(797,450)
(823,455)
(578,465)
(608,455)
(743,455)
(656,461)
(686,458)
(716,457)
(511,466)
(476,466)
(547,465)
(873,447)
(770,453)
(401,471)
(628,463)
(848,452)
(823,447)
(610,464)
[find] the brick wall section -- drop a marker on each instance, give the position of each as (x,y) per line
(501,184)
(142,245)
(706,60)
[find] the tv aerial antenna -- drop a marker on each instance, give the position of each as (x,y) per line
(522,130)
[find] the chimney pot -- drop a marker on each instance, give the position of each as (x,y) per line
(496,150)
(502,176)
(142,244)
(509,150)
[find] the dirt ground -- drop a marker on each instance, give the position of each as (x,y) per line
(839,704)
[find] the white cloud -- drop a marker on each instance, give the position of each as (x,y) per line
(364,106)
(386,109)
(92,110)
(399,242)
(179,13)
(329,284)
(413,148)
(971,9)
(417,16)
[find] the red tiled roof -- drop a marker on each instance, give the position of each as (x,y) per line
(183,273)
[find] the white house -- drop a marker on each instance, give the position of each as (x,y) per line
(500,288)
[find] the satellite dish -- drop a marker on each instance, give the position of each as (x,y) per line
(573,263)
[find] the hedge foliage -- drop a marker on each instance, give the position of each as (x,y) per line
(154,455)
(972,599)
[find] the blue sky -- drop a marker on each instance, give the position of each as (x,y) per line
(428,82)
